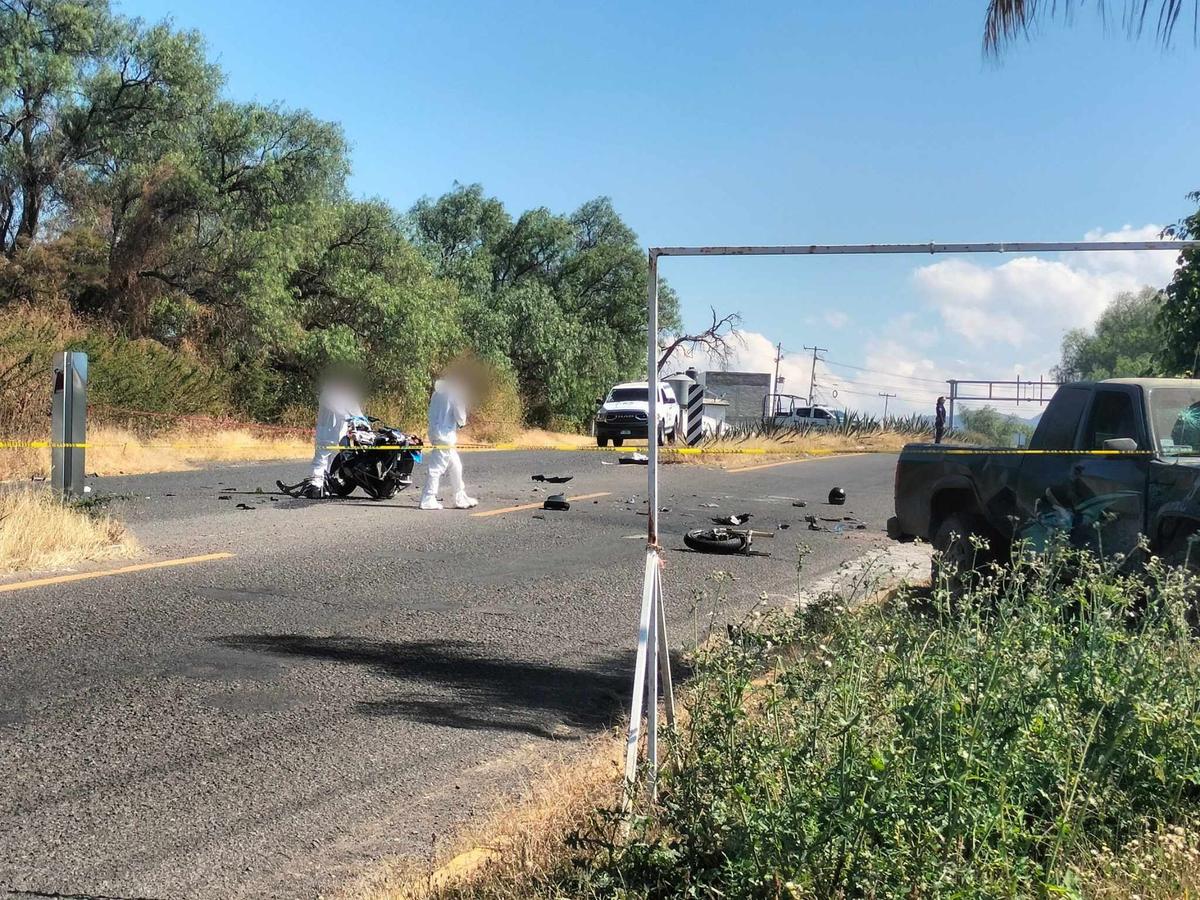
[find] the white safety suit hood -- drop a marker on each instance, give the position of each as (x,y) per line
(447,413)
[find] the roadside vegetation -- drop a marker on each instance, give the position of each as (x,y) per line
(858,433)
(1036,734)
(208,255)
(41,531)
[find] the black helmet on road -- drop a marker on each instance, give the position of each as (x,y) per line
(837,496)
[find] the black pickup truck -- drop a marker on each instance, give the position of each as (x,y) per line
(1109,461)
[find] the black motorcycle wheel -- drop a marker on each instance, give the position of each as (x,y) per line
(384,490)
(716,540)
(336,483)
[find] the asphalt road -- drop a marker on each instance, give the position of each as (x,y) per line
(359,677)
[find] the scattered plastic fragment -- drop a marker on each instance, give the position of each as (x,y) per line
(556,501)
(553,479)
(739,519)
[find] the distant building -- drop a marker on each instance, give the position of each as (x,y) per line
(743,391)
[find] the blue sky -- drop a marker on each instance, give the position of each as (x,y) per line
(766,123)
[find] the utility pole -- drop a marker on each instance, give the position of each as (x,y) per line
(775,380)
(812,378)
(886,397)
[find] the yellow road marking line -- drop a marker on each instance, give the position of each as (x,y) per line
(104,573)
(508,509)
(788,462)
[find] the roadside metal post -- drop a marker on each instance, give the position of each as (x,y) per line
(68,423)
(695,411)
(652,665)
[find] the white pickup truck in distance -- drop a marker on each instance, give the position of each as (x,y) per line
(625,414)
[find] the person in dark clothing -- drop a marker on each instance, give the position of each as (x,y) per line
(939,420)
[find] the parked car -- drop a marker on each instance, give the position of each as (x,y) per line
(625,412)
(1109,461)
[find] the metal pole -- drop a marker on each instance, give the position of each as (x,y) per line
(812,378)
(775,381)
(652,421)
(953,394)
(930,247)
(886,397)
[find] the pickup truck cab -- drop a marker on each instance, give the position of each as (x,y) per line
(1110,461)
(625,412)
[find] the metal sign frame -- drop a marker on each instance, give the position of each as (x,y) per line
(652,670)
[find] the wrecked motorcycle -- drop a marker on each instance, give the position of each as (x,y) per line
(378,461)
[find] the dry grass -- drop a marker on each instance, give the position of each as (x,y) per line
(39,531)
(114,450)
(519,844)
(725,451)
(1157,867)
(540,439)
(121,451)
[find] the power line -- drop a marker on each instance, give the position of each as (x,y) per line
(830,362)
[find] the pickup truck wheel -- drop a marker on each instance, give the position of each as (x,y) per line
(618,442)
(601,442)
(955,550)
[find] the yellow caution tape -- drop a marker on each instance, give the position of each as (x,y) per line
(568,448)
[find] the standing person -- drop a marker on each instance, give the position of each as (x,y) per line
(338,405)
(939,420)
(447,414)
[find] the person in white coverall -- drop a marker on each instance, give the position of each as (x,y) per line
(338,407)
(447,413)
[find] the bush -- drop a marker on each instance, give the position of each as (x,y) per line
(980,747)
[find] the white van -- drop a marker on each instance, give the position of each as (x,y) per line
(625,412)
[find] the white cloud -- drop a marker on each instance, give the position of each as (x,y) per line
(1026,299)
(836,319)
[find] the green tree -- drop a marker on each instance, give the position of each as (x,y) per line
(558,300)
(77,86)
(994,425)
(1179,317)
(1123,344)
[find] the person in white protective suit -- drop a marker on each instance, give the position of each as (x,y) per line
(338,408)
(447,414)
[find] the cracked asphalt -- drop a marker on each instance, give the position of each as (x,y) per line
(359,678)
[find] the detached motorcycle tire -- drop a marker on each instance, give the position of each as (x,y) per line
(716,540)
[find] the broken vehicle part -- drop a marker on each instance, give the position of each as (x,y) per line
(739,519)
(556,501)
(552,479)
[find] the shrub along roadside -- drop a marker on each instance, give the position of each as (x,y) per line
(1032,738)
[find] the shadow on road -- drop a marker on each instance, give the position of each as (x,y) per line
(456,684)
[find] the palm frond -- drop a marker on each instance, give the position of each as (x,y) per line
(1010,19)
